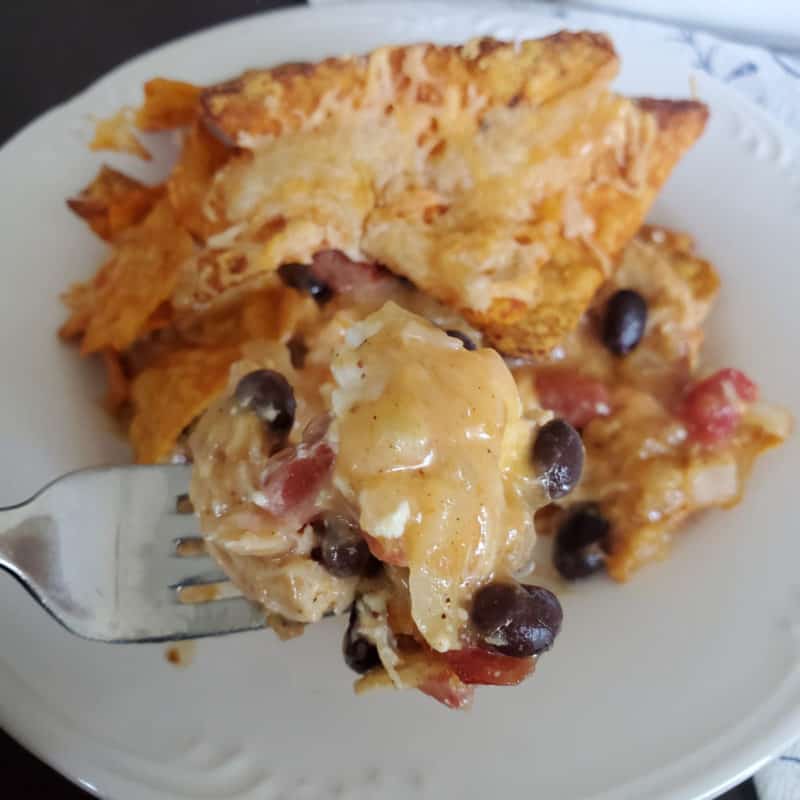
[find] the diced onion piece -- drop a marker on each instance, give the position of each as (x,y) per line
(714,483)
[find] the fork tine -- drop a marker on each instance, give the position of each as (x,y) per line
(112,534)
(177,526)
(205,587)
(218,618)
(178,476)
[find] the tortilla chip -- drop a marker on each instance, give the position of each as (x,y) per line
(81,300)
(611,204)
(113,202)
(161,318)
(168,396)
(118,387)
(201,157)
(168,104)
(255,315)
(283,99)
(619,212)
(262,313)
(78,299)
(517,176)
(140,275)
(116,133)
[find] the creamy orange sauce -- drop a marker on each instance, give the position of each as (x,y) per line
(433,452)
(268,558)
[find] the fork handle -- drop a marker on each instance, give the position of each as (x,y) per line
(13,525)
(22,535)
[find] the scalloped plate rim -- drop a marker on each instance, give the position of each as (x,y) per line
(726,769)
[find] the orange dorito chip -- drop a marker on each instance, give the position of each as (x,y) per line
(187,187)
(168,104)
(255,315)
(264,313)
(113,202)
(117,386)
(162,317)
(79,299)
(140,275)
(116,133)
(169,395)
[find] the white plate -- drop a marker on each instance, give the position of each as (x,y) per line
(676,685)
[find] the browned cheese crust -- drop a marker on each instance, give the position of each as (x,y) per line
(502,178)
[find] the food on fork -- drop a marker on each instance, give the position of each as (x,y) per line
(393,307)
(409,496)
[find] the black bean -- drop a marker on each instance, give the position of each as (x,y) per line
(582,543)
(548,614)
(463,338)
(558,456)
(373,568)
(343,551)
(493,606)
(624,322)
(270,397)
(516,620)
(359,653)
(301,277)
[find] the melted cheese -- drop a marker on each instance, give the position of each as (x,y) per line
(430,439)
(365,187)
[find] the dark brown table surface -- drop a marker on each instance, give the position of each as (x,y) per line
(49,51)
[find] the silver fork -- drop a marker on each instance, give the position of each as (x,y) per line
(113,554)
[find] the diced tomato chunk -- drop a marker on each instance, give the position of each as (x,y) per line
(572,396)
(744,387)
(390,551)
(474,665)
(445,686)
(292,486)
(343,275)
(712,408)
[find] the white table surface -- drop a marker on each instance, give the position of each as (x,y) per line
(771,23)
